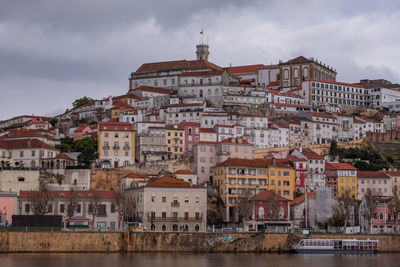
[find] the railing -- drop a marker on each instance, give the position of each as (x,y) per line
(174,204)
(174,219)
(115,147)
(127,147)
(223,152)
(106,147)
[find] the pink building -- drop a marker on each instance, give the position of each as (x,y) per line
(301,169)
(209,154)
(82,131)
(383,221)
(192,136)
(8,205)
(378,182)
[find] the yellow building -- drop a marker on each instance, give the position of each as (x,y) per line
(116,144)
(346,178)
(237,178)
(175,141)
(119,107)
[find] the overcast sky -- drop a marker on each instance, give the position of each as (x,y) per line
(54,51)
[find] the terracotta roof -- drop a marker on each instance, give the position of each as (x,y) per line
(340,166)
(137,175)
(130,96)
(278,124)
(115,126)
(25,144)
(301,198)
(81,127)
(170,182)
(370,174)
(173,127)
(274,83)
(267,195)
(177,65)
(224,125)
(320,114)
(358,121)
(309,154)
(152,89)
(27,133)
(207,130)
(297,60)
(185,172)
(295,159)
(245,69)
(290,105)
(119,103)
(63,156)
(338,83)
(366,119)
(235,140)
(201,73)
(393,173)
(238,162)
(189,123)
(68,193)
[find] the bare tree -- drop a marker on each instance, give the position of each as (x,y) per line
(371,203)
(72,204)
(245,206)
(40,200)
(94,205)
(394,206)
(344,209)
(125,207)
(272,207)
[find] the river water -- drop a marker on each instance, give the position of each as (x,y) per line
(195,260)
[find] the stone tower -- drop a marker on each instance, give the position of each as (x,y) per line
(202,52)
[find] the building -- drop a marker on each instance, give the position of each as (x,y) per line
(238,177)
(297,70)
(192,136)
(342,178)
(316,167)
(151,144)
(320,92)
(175,141)
(300,166)
(378,182)
(395,176)
(318,128)
(271,213)
(345,127)
(170,204)
(82,131)
(116,144)
(105,215)
(187,176)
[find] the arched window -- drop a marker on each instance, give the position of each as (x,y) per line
(185,228)
(296,73)
(286,74)
(201,93)
(202,169)
(153,227)
(175,227)
(163,228)
(126,163)
(197,228)
(190,130)
(281,213)
(261,213)
(305,72)
(216,91)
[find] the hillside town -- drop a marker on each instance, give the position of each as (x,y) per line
(191,146)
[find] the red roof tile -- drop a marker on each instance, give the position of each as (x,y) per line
(370,174)
(115,126)
(301,198)
(185,172)
(25,144)
(339,166)
(207,130)
(233,140)
(320,114)
(176,65)
(266,195)
(152,89)
(238,162)
(170,182)
(309,154)
(201,73)
(245,69)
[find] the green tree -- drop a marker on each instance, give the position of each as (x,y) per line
(67,145)
(333,150)
(82,101)
(88,148)
(59,178)
(53,122)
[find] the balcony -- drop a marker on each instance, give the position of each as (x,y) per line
(127,147)
(223,152)
(106,147)
(175,204)
(115,147)
(174,219)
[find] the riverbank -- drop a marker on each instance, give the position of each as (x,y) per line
(72,242)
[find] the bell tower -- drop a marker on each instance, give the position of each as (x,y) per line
(202,52)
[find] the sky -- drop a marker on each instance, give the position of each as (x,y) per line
(55,51)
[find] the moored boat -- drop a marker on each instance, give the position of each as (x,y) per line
(337,246)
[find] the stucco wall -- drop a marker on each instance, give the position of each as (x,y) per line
(164,242)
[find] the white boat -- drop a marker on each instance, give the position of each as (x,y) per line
(337,246)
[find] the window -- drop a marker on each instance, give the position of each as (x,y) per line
(27,208)
(164,199)
(116,135)
(164,214)
(78,208)
(153,198)
(21,179)
(21,154)
(62,208)
(113,208)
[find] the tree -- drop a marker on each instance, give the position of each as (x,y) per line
(125,207)
(209,103)
(88,148)
(53,122)
(333,150)
(40,200)
(94,205)
(82,101)
(394,206)
(245,206)
(370,205)
(272,207)
(343,210)
(72,204)
(59,178)
(67,145)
